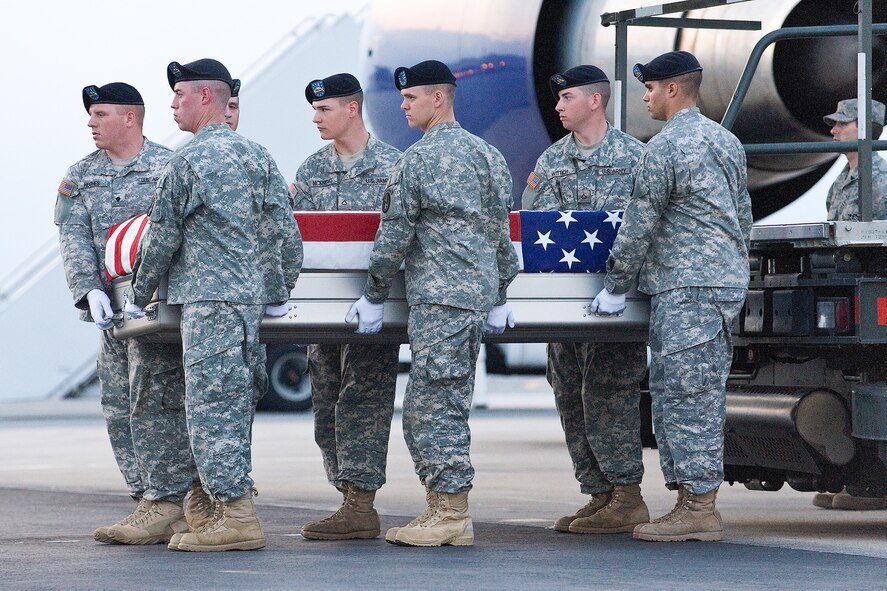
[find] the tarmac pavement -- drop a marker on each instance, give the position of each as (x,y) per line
(58,482)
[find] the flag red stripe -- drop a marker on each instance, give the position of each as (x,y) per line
(134,247)
(357,226)
(337,226)
(514,223)
(118,244)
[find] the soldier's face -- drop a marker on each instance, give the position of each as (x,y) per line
(185,104)
(331,118)
(108,125)
(232,112)
(845,132)
(655,99)
(573,108)
(418,106)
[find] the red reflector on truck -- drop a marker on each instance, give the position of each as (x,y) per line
(882,311)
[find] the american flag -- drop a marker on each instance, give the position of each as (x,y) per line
(567,241)
(545,241)
(123,244)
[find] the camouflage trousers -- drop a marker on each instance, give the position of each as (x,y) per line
(445,342)
(113,372)
(159,427)
(221,357)
(597,394)
(352,388)
(691,354)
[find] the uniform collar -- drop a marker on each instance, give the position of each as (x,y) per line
(213,127)
(442,126)
(103,165)
(599,156)
(366,162)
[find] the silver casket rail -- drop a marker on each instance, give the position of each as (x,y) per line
(547,307)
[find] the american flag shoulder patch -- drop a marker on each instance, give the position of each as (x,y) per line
(66,188)
(294,190)
(533,180)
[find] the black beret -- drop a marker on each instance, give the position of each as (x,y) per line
(332,87)
(578,76)
(205,69)
(115,93)
(235,88)
(667,65)
(423,74)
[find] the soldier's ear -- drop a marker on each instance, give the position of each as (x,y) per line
(671,89)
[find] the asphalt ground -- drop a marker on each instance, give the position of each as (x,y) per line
(47,544)
(58,482)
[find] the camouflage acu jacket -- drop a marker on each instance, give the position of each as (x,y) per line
(92,197)
(445,214)
(221,225)
(689,218)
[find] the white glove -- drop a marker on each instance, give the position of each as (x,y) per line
(100,309)
(133,311)
(608,304)
(369,315)
(278,311)
(498,317)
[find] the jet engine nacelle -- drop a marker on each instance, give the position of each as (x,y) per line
(503,52)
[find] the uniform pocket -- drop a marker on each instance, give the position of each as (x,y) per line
(63,207)
(210,347)
(691,337)
(218,363)
(172,382)
(447,359)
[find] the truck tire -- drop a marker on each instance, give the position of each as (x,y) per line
(289,386)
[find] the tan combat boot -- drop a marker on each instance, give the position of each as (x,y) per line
(430,507)
(199,509)
(682,496)
(448,524)
(823,500)
(156,526)
(695,519)
(355,519)
(234,526)
(101,533)
(625,510)
(847,502)
(595,503)
(198,506)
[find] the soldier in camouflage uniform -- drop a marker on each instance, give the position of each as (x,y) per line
(686,229)
(142,384)
(843,204)
(444,214)
(352,386)
(220,199)
(843,196)
(596,386)
(232,109)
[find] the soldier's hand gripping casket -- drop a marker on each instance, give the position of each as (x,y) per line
(369,315)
